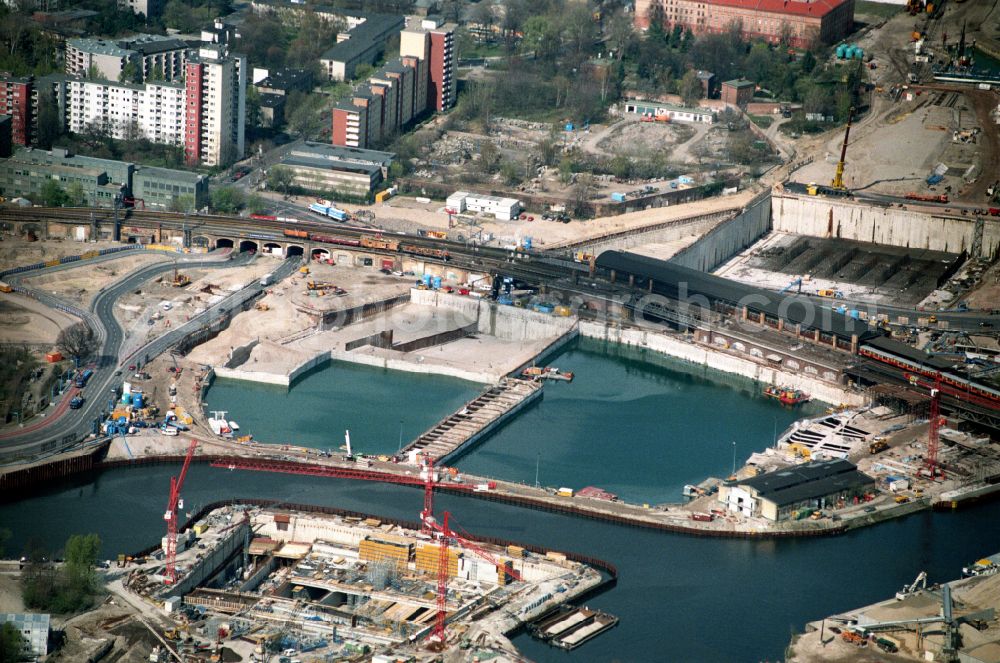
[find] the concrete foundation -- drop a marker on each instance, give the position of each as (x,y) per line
(927,228)
(728,238)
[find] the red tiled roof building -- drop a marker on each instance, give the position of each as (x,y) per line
(802,21)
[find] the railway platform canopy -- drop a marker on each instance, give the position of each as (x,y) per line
(685,284)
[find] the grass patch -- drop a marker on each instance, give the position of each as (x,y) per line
(762,121)
(880,9)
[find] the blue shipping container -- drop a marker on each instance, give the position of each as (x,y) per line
(618,197)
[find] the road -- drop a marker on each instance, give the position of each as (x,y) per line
(58,432)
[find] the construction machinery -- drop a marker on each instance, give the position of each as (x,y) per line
(838,178)
(919,584)
(173,503)
(320,285)
(180,280)
(262,306)
(946,617)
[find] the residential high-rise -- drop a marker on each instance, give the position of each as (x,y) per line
(154,57)
(15,101)
(215,106)
(434,45)
(154,111)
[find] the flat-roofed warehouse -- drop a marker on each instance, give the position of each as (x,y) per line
(320,167)
(781,494)
(677,282)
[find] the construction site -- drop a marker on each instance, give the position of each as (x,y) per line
(272,581)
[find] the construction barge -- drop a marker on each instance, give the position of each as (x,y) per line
(569,627)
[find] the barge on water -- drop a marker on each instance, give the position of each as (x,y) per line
(569,626)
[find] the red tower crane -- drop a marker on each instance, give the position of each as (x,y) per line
(446,534)
(176,483)
(430,478)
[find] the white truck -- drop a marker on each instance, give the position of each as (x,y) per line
(266,280)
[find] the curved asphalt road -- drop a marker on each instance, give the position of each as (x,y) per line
(61,432)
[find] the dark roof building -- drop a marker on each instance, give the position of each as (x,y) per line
(698,288)
(785,493)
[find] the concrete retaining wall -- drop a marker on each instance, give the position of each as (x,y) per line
(820,216)
(505,322)
(728,238)
(210,562)
(668,232)
(679,348)
(410,367)
(284,380)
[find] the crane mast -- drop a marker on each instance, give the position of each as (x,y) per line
(176,484)
(838,178)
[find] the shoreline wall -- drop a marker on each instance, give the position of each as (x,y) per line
(272,378)
(720,361)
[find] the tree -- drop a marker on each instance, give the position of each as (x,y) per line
(69,589)
(489,157)
(808,62)
(11,643)
(228,200)
(130,73)
(81,557)
(184,204)
(49,124)
(256,204)
(690,88)
(580,194)
(620,34)
(306,114)
(75,195)
(53,194)
(280,179)
(77,341)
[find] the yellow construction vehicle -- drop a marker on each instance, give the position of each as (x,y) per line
(303,270)
(320,285)
(261,306)
(812,189)
(180,280)
(838,178)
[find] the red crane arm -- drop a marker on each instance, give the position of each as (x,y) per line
(176,483)
(465,543)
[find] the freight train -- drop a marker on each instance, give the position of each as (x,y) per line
(371,242)
(914,361)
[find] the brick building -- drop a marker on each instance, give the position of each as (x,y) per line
(15,101)
(738,92)
(421,80)
(800,21)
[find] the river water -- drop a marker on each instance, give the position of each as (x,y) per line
(679,598)
(639,425)
(635,423)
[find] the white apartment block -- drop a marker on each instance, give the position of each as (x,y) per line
(215,106)
(154,111)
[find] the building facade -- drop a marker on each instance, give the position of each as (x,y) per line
(154,56)
(154,111)
(27,171)
(34,629)
(738,92)
(215,107)
(16,101)
(159,188)
(786,493)
(148,8)
(433,43)
(798,22)
(363,43)
(321,168)
(102,180)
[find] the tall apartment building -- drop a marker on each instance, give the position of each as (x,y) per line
(154,110)
(434,44)
(151,54)
(147,8)
(215,106)
(801,21)
(16,101)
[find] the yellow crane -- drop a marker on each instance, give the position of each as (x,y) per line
(838,178)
